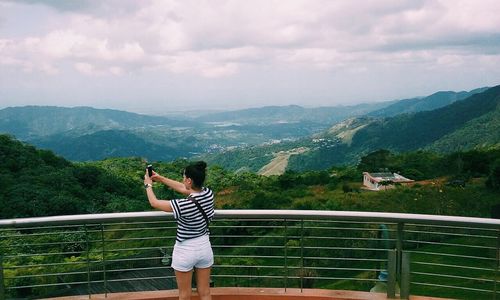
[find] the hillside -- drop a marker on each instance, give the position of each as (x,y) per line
(36,121)
(36,182)
(335,135)
(345,142)
(414,131)
(292,113)
(82,133)
(434,101)
(109,143)
(482,132)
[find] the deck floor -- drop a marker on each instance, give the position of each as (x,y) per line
(248,294)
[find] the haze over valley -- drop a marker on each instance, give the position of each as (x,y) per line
(268,140)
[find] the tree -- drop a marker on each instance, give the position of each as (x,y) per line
(493,181)
(346,188)
(373,162)
(386,183)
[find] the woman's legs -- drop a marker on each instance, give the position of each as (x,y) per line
(184,284)
(203,283)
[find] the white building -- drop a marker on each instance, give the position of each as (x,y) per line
(376,181)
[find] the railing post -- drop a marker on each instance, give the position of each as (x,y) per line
(302,255)
(87,246)
(399,249)
(497,265)
(286,256)
(391,270)
(104,262)
(2,283)
(405,275)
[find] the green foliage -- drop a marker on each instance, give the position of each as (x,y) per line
(422,165)
(472,123)
(413,131)
(493,181)
(376,161)
(480,132)
(39,183)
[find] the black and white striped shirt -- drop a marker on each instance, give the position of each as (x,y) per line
(190,221)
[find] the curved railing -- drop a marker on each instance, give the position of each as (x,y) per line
(398,254)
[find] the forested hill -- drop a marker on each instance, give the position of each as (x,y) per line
(414,131)
(463,125)
(110,143)
(292,113)
(434,101)
(29,121)
(36,182)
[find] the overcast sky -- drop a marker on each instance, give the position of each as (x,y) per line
(160,56)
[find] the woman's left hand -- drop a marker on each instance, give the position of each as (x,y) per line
(147,179)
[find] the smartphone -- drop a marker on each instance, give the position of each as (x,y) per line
(150,170)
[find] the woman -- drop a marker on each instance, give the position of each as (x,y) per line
(192,248)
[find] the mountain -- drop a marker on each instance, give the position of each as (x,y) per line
(292,114)
(35,121)
(434,101)
(108,143)
(84,133)
(480,132)
(36,182)
(414,131)
(472,122)
(453,124)
(309,137)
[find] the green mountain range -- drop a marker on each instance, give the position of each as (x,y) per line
(36,121)
(84,133)
(434,101)
(251,139)
(465,124)
(109,143)
(292,114)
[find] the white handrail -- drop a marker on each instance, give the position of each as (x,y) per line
(260,214)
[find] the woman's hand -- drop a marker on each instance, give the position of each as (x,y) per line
(147,179)
(155,176)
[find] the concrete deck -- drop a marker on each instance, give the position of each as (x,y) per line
(248,294)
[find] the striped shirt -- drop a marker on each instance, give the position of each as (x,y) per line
(190,221)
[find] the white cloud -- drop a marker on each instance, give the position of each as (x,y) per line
(85,68)
(222,35)
(234,38)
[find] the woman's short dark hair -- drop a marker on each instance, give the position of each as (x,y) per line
(196,171)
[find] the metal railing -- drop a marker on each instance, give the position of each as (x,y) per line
(399,254)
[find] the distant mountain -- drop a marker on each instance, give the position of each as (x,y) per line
(35,121)
(434,101)
(414,131)
(311,138)
(101,133)
(108,143)
(480,132)
(465,124)
(292,114)
(85,133)
(455,124)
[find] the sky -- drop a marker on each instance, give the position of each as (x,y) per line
(161,56)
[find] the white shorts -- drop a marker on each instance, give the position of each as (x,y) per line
(192,253)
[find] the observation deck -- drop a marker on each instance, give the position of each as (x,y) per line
(259,254)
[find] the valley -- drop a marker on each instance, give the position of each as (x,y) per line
(264,140)
(278,165)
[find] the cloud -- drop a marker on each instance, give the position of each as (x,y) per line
(222,38)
